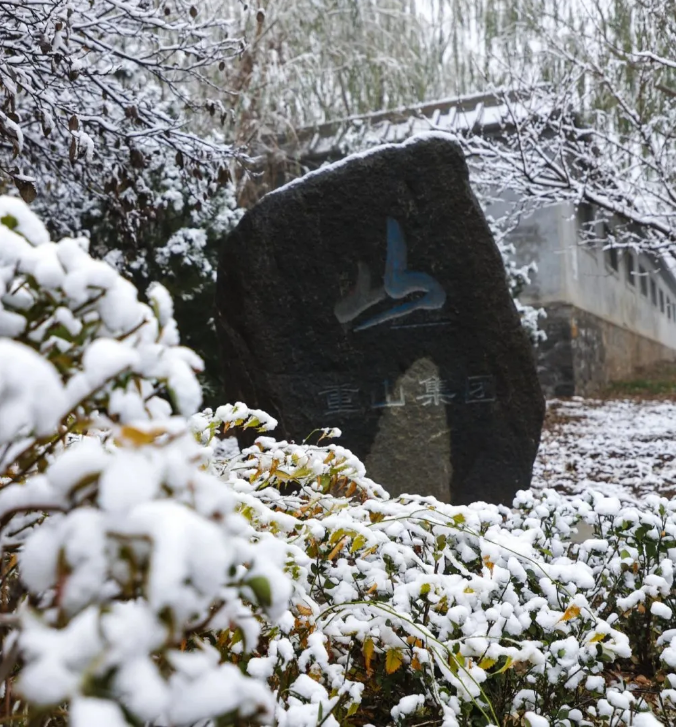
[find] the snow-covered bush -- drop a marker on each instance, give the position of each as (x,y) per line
(152,574)
(123,555)
(178,248)
(409,611)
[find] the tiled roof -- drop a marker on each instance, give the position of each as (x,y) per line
(483,112)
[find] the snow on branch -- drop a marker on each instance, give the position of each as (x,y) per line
(601,131)
(94,91)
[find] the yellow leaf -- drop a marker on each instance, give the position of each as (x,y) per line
(352,709)
(508,664)
(488,563)
(357,543)
(368,652)
(641,608)
(137,437)
(372,589)
(415,664)
(335,551)
(468,590)
(572,611)
(393,660)
(337,536)
(454,661)
(305,611)
(487,663)
(597,637)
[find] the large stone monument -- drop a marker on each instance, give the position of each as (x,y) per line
(370,296)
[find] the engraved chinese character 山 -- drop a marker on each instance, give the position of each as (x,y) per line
(341,400)
(436,392)
(391,399)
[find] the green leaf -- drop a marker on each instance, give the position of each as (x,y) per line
(261,588)
(9,221)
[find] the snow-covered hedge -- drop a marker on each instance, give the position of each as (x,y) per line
(152,574)
(409,611)
(129,552)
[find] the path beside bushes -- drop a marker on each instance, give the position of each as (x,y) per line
(623,447)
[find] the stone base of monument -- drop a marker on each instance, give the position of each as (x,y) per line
(371,296)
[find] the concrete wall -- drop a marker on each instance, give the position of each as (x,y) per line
(604,320)
(584,353)
(570,271)
(604,352)
(618,297)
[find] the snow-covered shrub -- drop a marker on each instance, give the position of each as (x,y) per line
(123,557)
(113,119)
(177,247)
(409,611)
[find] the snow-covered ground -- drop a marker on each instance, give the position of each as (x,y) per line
(624,448)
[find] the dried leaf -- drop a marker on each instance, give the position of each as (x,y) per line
(27,190)
(335,551)
(137,158)
(305,611)
(73,123)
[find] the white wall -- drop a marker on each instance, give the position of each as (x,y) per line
(572,272)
